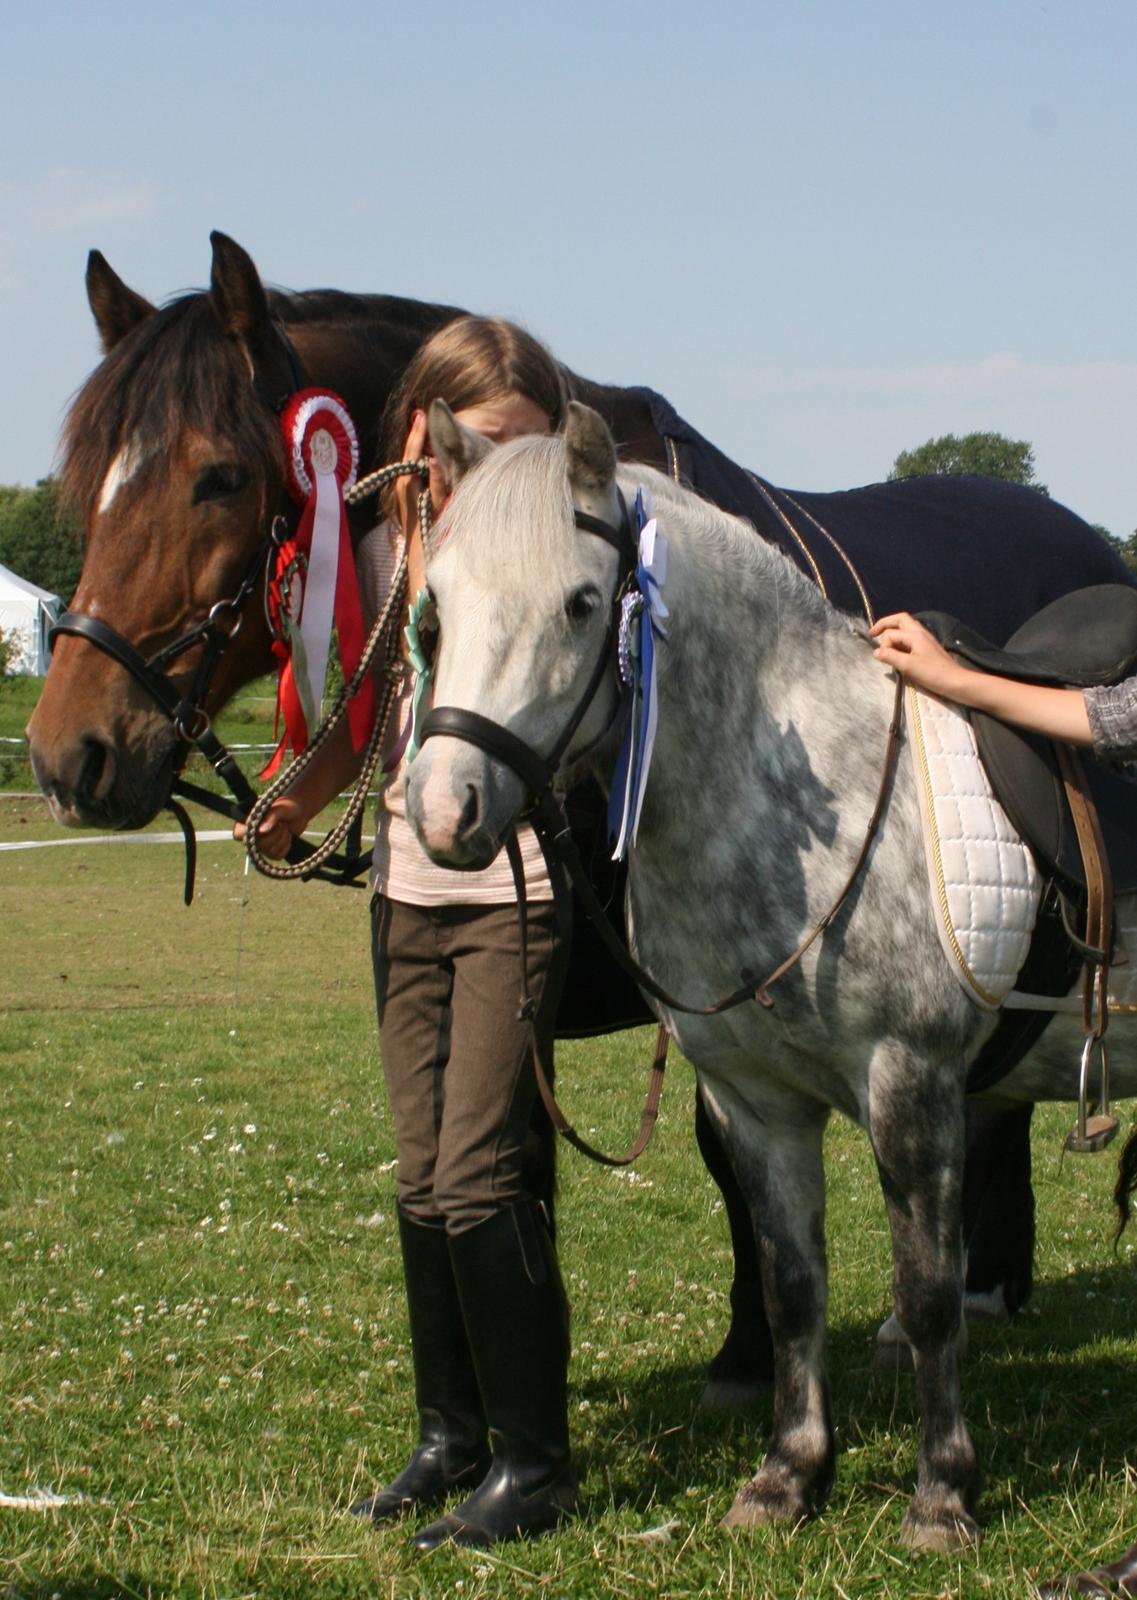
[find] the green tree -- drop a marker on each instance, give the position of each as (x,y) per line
(37,539)
(1127,550)
(986,455)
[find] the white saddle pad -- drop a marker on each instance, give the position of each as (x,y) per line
(985,885)
(984,881)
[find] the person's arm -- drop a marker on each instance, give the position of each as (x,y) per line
(908,647)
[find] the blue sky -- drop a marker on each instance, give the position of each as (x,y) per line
(826,230)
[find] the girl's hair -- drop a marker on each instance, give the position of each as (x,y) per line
(466,363)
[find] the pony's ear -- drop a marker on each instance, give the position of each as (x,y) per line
(457,447)
(236,292)
(116,308)
(591,452)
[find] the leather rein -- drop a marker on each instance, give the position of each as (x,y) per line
(546,812)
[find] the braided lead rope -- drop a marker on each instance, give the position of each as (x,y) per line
(384,636)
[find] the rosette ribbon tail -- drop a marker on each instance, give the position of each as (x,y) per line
(641,626)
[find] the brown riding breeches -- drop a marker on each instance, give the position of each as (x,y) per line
(455,1057)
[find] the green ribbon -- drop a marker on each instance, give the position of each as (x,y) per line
(422,613)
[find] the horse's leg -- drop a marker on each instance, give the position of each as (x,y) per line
(998,1210)
(998,1222)
(1118,1578)
(916,1126)
(743,1369)
(773,1140)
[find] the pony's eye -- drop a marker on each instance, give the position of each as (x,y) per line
(581,603)
(218,481)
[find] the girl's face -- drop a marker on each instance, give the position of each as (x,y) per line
(507,417)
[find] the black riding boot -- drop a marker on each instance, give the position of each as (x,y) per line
(517,1319)
(452,1452)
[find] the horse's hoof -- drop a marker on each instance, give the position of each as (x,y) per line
(892,1352)
(942,1535)
(734,1394)
(988,1306)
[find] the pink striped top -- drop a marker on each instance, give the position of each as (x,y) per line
(401,868)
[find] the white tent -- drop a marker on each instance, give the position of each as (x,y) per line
(26,615)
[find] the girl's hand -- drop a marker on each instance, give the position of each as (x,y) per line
(408,489)
(906,645)
(283,821)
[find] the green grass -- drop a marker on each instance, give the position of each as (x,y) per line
(247,719)
(202,1331)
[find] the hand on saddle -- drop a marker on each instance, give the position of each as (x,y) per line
(906,645)
(283,821)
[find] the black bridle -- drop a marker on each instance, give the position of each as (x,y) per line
(185,707)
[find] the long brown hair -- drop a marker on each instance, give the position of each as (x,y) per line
(466,363)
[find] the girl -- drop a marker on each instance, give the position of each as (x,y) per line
(488,1317)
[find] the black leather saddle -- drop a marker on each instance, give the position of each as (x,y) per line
(1088,637)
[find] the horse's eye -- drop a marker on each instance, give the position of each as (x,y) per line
(581,603)
(218,481)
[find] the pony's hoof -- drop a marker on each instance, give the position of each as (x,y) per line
(734,1394)
(760,1504)
(942,1535)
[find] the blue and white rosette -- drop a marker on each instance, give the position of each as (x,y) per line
(637,669)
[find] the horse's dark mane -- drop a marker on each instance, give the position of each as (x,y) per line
(176,369)
(296,308)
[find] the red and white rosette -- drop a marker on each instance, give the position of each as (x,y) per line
(323,459)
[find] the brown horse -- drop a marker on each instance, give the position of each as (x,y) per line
(173,457)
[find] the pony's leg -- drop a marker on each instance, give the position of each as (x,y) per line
(741,1373)
(916,1126)
(774,1144)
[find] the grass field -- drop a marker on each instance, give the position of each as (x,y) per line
(203,1343)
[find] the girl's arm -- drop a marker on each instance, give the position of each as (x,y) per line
(332,770)
(906,645)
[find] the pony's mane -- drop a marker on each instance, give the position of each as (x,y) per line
(519,502)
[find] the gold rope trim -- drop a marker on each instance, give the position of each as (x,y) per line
(941,885)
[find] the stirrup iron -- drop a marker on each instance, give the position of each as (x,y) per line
(1092,1133)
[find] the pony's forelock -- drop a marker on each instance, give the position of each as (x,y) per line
(519,516)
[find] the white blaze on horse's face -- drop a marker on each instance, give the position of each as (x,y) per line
(523,601)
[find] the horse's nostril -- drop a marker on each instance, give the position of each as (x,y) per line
(468,820)
(97,769)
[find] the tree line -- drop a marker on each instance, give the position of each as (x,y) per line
(39,541)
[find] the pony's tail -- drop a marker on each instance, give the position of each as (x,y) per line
(1126,1182)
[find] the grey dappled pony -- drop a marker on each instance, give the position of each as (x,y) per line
(772,730)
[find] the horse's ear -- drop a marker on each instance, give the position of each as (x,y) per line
(457,447)
(591,452)
(236,292)
(116,308)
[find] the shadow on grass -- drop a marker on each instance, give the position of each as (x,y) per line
(82,1586)
(1048,1403)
